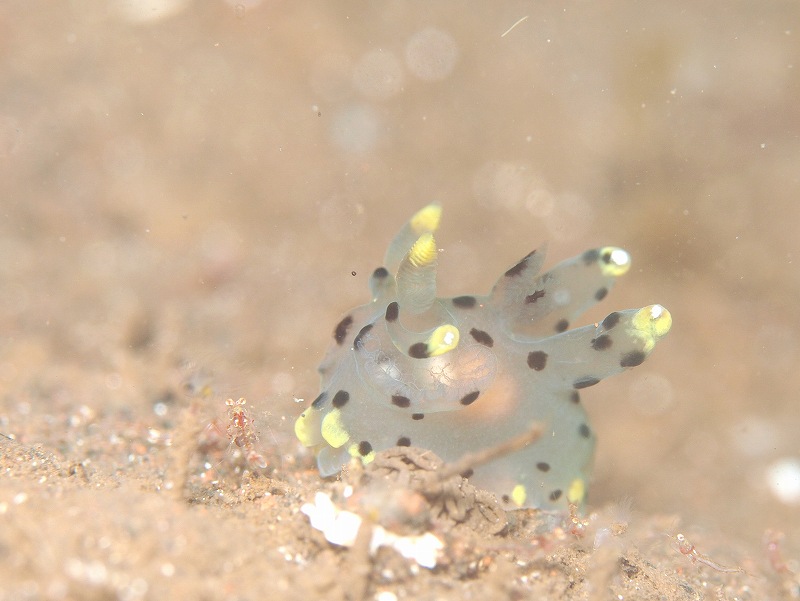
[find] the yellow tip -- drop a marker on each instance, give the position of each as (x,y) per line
(577,491)
(652,323)
(302,431)
(427,219)
(444,339)
(518,495)
(614,261)
(423,252)
(333,430)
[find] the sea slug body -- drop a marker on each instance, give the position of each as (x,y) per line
(456,375)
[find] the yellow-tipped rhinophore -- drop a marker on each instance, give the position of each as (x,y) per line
(424,221)
(427,219)
(442,340)
(416,276)
(614,261)
(651,323)
(333,430)
(423,253)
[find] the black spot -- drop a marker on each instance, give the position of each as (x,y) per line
(537,360)
(470,398)
(404,441)
(357,342)
(555,495)
(543,466)
(417,416)
(364,448)
(584,431)
(319,400)
(602,342)
(600,294)
(575,397)
(401,401)
(482,337)
(340,333)
(606,257)
(506,499)
(392,311)
(380,273)
(340,398)
(418,351)
(611,320)
(590,256)
(532,298)
(467,473)
(464,302)
(519,267)
(585,382)
(562,325)
(633,359)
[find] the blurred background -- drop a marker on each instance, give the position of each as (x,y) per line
(203,187)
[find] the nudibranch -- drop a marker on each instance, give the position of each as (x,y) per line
(455,375)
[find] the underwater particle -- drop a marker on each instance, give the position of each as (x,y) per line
(651,394)
(378,75)
(341,216)
(242,6)
(354,129)
(502,183)
(783,480)
(431,54)
(754,436)
(572,219)
(148,11)
(282,383)
(331,76)
(517,22)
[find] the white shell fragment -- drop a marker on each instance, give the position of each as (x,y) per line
(341,528)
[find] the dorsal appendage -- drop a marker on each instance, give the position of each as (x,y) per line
(614,261)
(443,340)
(651,323)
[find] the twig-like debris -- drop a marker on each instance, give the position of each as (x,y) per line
(362,563)
(184,442)
(415,474)
(507,31)
(478,458)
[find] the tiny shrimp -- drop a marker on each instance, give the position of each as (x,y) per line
(688,549)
